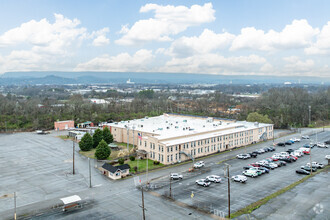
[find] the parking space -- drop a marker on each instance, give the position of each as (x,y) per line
(215,196)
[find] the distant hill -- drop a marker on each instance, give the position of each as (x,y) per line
(59,78)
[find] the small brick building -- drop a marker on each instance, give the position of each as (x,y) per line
(63,125)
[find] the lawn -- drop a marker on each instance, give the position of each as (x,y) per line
(142,165)
(114,153)
(65,137)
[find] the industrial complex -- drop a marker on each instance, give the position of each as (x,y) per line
(172,138)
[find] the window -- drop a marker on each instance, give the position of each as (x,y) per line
(176,147)
(145,144)
(199,150)
(176,156)
(168,158)
(171,148)
(162,149)
(150,145)
(172,157)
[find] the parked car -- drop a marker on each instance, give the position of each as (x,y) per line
(316,165)
(286,159)
(292,141)
(281,144)
(264,169)
(284,154)
(322,145)
(276,157)
(202,182)
(273,165)
(254,165)
(308,168)
(293,158)
(266,149)
(327,142)
(271,149)
(260,151)
(213,178)
(297,153)
(247,167)
(250,173)
(305,137)
(268,167)
(199,164)
(306,150)
(259,172)
(301,171)
(295,139)
(243,156)
(239,178)
(176,176)
(288,143)
(281,163)
(253,154)
(327,157)
(308,145)
(290,151)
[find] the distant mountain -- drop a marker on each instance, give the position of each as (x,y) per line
(50,77)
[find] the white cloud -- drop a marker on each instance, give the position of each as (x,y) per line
(294,64)
(168,20)
(101,38)
(121,62)
(299,34)
(47,46)
(207,42)
(322,44)
(215,64)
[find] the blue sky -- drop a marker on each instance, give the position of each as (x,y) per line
(251,37)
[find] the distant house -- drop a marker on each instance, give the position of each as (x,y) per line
(86,124)
(115,172)
(63,125)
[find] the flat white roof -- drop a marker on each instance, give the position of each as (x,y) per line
(70,199)
(176,126)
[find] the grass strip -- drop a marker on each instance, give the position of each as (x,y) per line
(250,208)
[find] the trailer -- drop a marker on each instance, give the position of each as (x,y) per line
(71,202)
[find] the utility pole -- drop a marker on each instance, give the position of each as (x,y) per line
(90,173)
(170,187)
(310,158)
(228,179)
(309,114)
(15,205)
(147,168)
(73,157)
(133,137)
(144,216)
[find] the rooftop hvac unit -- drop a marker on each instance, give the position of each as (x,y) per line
(183,129)
(184,120)
(176,126)
(168,127)
(160,129)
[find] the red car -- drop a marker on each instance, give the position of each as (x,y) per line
(254,165)
(274,159)
(306,151)
(294,157)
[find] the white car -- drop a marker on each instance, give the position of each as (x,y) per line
(250,173)
(199,164)
(202,182)
(176,176)
(213,178)
(315,164)
(327,157)
(305,137)
(243,156)
(273,165)
(297,153)
(295,139)
(239,178)
(284,154)
(322,145)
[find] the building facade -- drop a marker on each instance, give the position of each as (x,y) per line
(172,138)
(63,125)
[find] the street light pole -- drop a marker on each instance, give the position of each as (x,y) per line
(309,114)
(127,138)
(73,157)
(144,216)
(147,167)
(90,173)
(15,205)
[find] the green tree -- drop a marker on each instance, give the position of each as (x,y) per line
(107,136)
(255,116)
(149,94)
(97,137)
(121,161)
(86,142)
(102,151)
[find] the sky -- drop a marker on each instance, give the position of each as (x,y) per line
(236,37)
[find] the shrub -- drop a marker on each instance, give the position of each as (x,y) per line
(97,137)
(132,158)
(86,142)
(156,162)
(107,136)
(135,168)
(102,151)
(121,161)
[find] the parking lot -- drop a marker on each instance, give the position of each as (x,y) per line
(214,197)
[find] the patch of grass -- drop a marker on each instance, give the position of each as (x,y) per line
(90,154)
(65,137)
(142,165)
(250,208)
